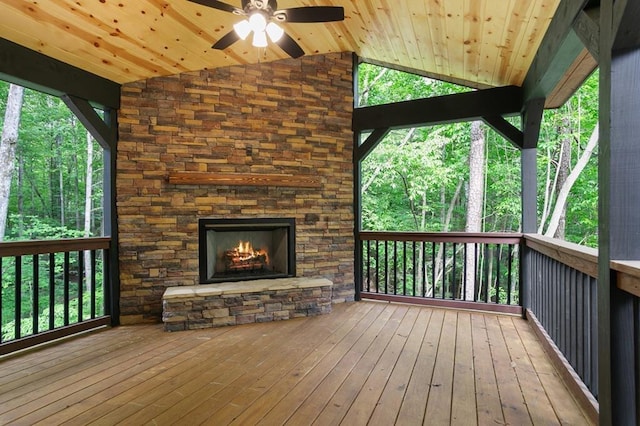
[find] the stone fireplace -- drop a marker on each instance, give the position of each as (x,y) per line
(246,249)
(257,136)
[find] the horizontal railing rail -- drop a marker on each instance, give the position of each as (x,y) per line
(464,270)
(50,289)
(563,301)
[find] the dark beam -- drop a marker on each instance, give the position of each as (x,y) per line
(531,121)
(587,27)
(558,50)
(505,129)
(439,110)
(36,71)
(91,120)
(370,143)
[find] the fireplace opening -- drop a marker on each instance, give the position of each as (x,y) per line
(244,249)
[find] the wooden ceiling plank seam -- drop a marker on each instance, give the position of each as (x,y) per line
(385,20)
(82,60)
(454,25)
(493,22)
(427,56)
(472,46)
(435,16)
(500,44)
(510,38)
(383,44)
(515,72)
(536,34)
(411,44)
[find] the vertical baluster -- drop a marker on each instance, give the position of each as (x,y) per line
(404,268)
(433,269)
(17,315)
(386,267)
(454,277)
(66,287)
(485,262)
(444,269)
(377,266)
(52,290)
(106,286)
(80,285)
(413,269)
(498,262)
(476,272)
(35,310)
(509,271)
(368,265)
(395,267)
(464,272)
(424,269)
(93,283)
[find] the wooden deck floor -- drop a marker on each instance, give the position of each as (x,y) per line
(365,363)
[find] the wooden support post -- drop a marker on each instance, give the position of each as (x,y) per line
(619,209)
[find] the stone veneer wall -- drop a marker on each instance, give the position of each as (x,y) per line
(285,117)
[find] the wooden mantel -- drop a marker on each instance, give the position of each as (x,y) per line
(244,179)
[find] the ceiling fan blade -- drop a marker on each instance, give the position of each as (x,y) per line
(216,5)
(290,46)
(312,14)
(227,40)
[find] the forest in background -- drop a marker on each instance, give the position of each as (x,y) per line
(466,177)
(50,188)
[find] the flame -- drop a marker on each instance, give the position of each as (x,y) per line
(246,251)
(244,247)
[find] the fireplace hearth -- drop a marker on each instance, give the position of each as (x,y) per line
(245,249)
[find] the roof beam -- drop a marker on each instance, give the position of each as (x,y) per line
(91,120)
(440,109)
(505,129)
(36,71)
(558,50)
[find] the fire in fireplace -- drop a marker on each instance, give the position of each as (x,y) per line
(242,249)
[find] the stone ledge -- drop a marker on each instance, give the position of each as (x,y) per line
(234,303)
(241,287)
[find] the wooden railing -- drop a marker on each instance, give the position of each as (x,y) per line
(464,270)
(562,280)
(49,292)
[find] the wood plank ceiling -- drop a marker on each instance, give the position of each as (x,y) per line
(481,42)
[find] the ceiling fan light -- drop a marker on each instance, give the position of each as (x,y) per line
(258,22)
(274,31)
(242,28)
(259,39)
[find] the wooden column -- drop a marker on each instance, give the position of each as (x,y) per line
(619,206)
(531,120)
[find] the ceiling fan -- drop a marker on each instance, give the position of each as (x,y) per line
(262,18)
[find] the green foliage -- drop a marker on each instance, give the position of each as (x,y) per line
(415,177)
(50,168)
(47,202)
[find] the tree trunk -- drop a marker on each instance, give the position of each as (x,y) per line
(8,142)
(87,210)
(63,220)
(564,164)
(563,194)
(475,201)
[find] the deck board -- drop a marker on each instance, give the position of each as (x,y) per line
(366,362)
